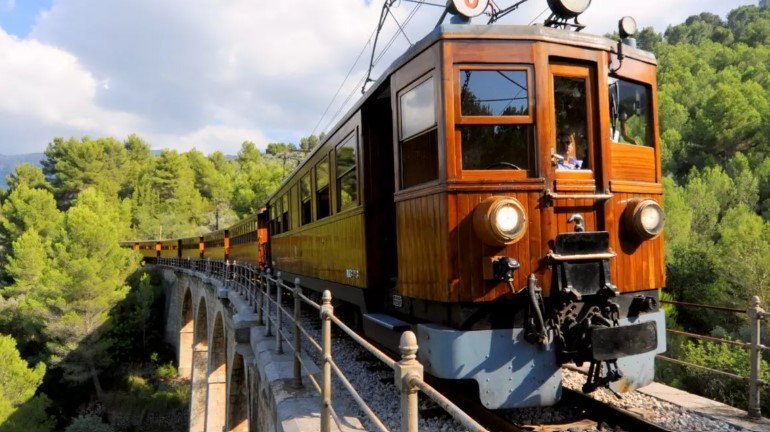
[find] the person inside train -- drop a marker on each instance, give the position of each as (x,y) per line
(567,148)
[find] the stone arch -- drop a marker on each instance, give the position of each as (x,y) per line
(200,360)
(216,405)
(186,335)
(238,402)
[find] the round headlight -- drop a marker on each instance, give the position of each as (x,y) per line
(568,8)
(627,27)
(645,218)
(499,221)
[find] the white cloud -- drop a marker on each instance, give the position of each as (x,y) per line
(210,139)
(47,90)
(213,73)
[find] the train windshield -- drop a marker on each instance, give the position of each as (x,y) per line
(496,123)
(571,122)
(630,121)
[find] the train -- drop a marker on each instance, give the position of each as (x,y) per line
(498,191)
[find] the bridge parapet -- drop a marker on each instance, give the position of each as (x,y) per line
(238,381)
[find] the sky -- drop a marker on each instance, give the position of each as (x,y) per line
(210,74)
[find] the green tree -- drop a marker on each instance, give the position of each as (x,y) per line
(20,409)
(27,175)
(73,165)
(28,208)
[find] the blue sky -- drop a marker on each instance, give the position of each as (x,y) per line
(18,16)
(210,74)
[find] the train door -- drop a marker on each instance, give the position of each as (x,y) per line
(575,151)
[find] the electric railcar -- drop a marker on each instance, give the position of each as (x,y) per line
(498,191)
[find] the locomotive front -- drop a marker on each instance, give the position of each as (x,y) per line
(547,192)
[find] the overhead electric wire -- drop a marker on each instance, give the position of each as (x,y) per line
(539,15)
(342,84)
(376,60)
(391,41)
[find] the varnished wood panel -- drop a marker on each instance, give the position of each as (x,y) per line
(632,162)
(245,253)
(639,265)
(331,249)
(421,230)
(468,252)
(214,252)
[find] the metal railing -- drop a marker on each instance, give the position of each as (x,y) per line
(756,315)
(264,293)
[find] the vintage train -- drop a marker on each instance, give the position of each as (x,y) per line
(498,190)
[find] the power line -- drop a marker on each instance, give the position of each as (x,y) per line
(339,89)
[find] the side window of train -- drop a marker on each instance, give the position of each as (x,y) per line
(347,175)
(285,212)
(322,189)
(630,114)
(306,215)
(418,134)
(496,120)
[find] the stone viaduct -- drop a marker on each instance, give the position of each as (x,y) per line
(238,382)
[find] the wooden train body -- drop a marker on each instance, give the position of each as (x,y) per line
(498,190)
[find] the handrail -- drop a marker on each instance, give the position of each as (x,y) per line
(255,285)
(756,316)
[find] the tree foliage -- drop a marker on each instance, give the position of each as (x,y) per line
(20,409)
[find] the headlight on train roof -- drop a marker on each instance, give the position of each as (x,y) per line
(499,221)
(644,218)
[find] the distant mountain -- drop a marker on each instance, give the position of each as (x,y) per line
(8,162)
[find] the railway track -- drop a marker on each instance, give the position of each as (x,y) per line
(577,411)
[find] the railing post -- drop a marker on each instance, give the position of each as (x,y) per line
(278,316)
(327,311)
(266,299)
(297,335)
(756,314)
(407,370)
(261,299)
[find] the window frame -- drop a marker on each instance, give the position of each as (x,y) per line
(463,120)
(416,83)
(309,176)
(337,205)
(401,139)
(650,114)
(316,189)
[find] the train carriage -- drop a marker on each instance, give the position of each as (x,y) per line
(216,245)
(191,247)
(168,248)
(248,240)
(498,190)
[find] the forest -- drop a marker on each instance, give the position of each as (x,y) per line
(80,322)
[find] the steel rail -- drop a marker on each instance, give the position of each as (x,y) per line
(612,415)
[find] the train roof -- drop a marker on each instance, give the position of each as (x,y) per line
(532,33)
